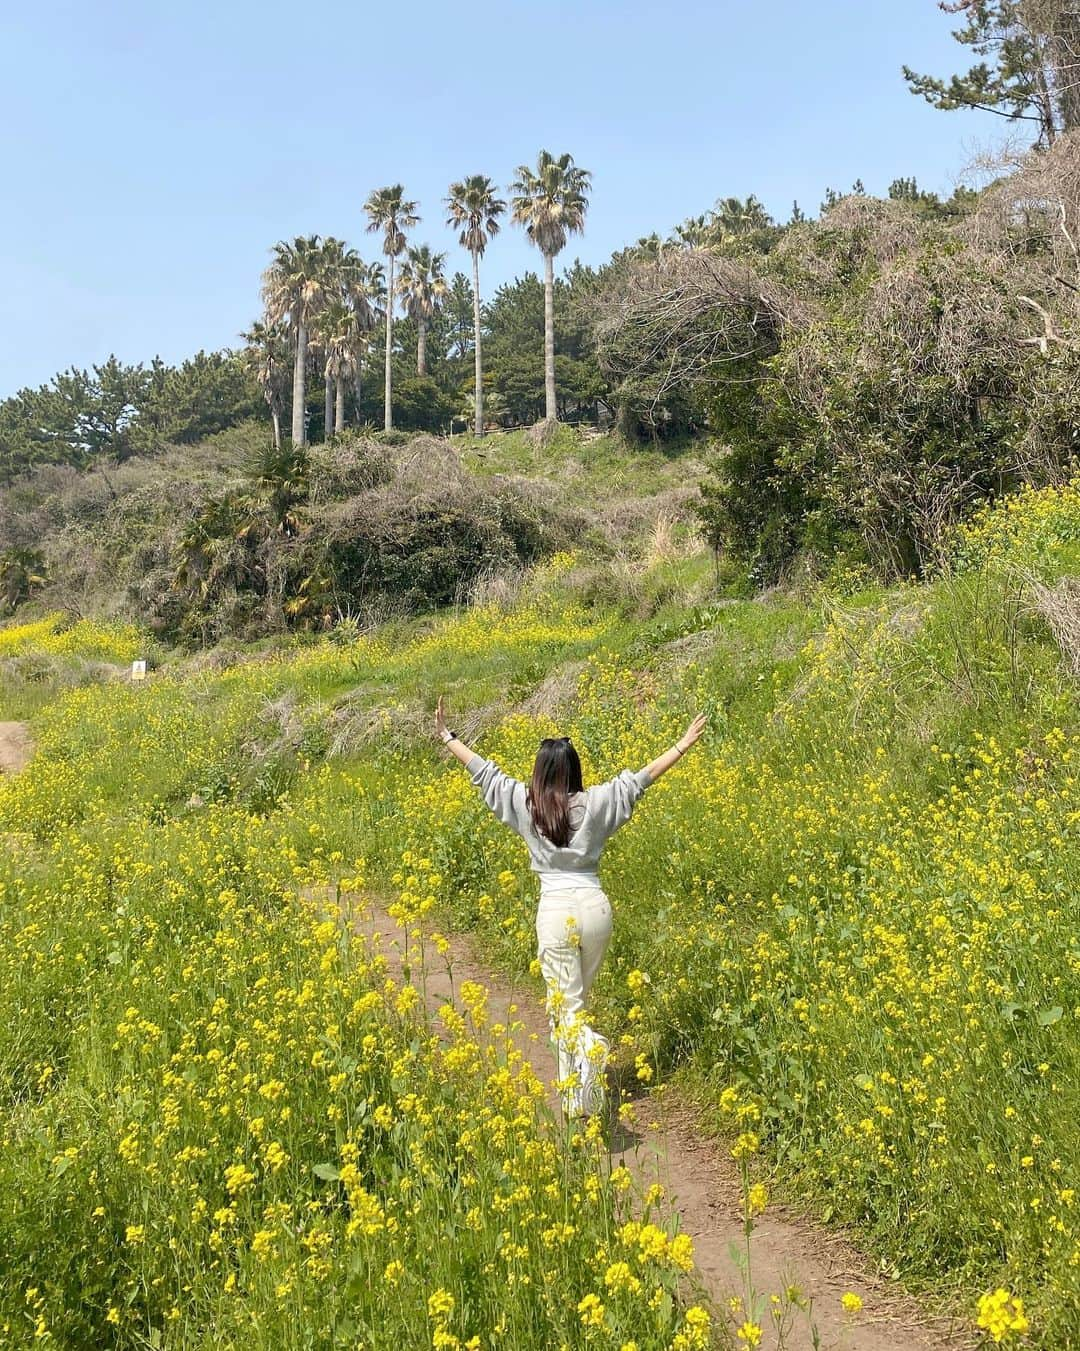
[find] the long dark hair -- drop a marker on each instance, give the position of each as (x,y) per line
(556,774)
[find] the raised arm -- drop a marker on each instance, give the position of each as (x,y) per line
(611,804)
(620,795)
(669,757)
(453,743)
(503,794)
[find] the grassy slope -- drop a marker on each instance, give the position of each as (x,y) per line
(848,919)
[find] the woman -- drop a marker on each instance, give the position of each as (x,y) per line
(565,827)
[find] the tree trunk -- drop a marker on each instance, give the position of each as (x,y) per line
(339,421)
(1067,62)
(479,395)
(551,413)
(358,392)
(1044,74)
(328,409)
(277,426)
(299,434)
(421,346)
(388,416)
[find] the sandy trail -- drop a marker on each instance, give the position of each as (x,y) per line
(700,1179)
(15,746)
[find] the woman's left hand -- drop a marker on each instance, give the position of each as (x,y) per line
(440,720)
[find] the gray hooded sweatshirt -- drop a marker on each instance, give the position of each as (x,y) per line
(595,814)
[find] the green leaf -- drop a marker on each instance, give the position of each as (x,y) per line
(327,1172)
(1047,1017)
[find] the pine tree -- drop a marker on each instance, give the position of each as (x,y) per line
(1033,74)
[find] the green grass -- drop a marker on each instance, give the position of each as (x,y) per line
(846,920)
(606,464)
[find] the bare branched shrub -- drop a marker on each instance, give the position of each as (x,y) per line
(854,232)
(1032,211)
(677,321)
(1060,607)
(429,461)
(385,530)
(496,587)
(875,374)
(346,466)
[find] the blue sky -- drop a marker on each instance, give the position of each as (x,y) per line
(153,153)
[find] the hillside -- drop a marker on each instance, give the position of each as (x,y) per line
(845,926)
(226,539)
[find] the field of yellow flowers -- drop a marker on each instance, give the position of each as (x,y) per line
(848,917)
(83,638)
(222,1122)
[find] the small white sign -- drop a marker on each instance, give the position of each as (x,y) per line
(138,670)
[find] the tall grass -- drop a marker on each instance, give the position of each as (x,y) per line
(846,919)
(222,1122)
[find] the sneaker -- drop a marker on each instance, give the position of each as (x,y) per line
(592,1063)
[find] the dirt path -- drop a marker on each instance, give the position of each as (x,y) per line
(700,1179)
(15,746)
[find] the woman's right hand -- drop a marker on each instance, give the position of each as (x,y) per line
(693,732)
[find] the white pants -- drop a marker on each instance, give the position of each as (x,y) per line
(573,927)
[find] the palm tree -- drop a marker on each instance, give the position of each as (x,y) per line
(265,357)
(362,288)
(732,218)
(334,251)
(388,211)
(282,475)
(293,291)
(422,286)
(550,203)
(373,287)
(694,233)
(345,312)
(475,210)
(342,337)
(219,548)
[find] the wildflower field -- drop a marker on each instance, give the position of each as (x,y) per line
(846,924)
(224,1124)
